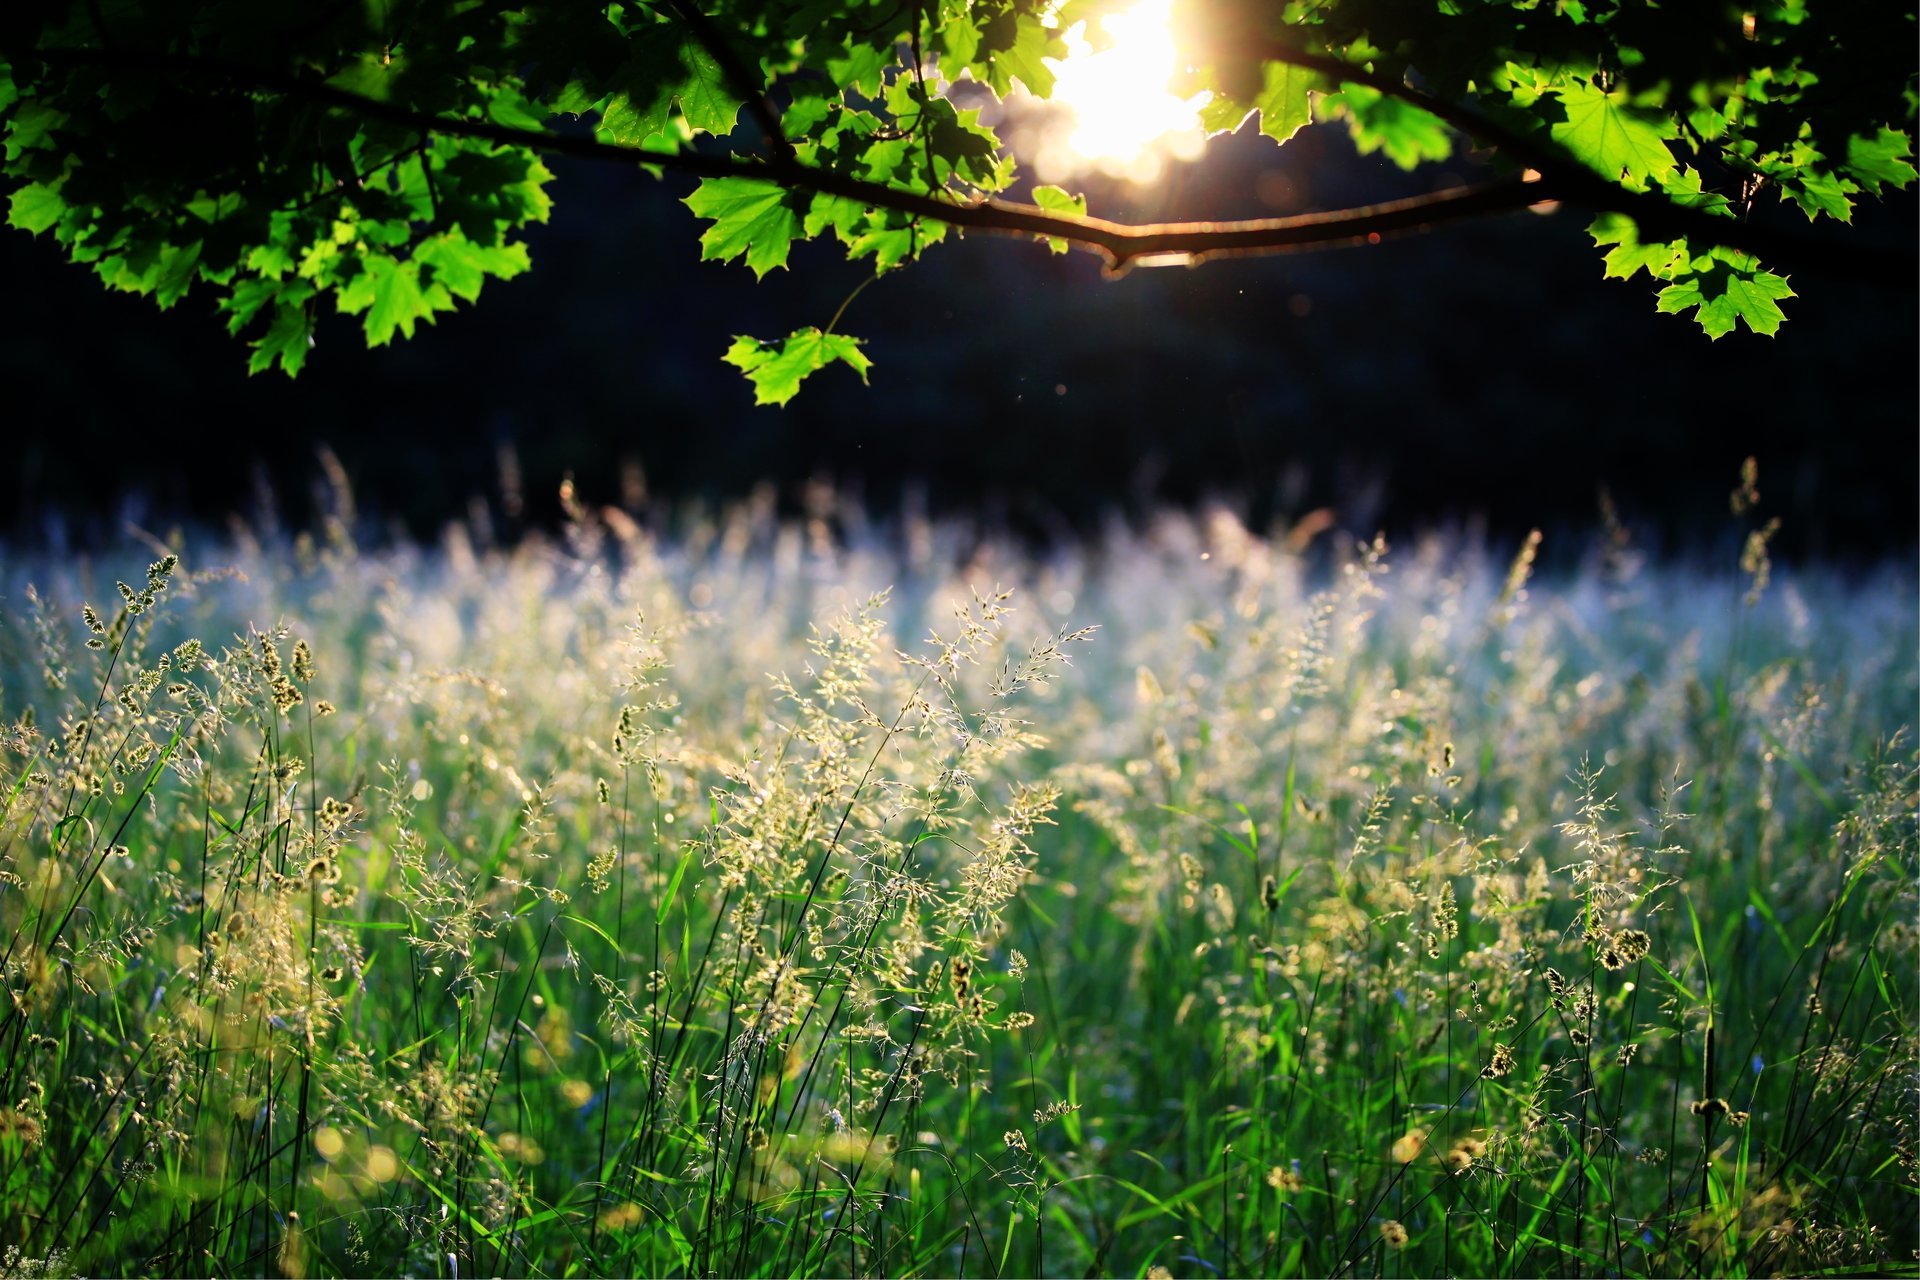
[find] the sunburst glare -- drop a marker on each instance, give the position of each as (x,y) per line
(1117,113)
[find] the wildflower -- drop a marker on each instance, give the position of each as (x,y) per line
(1711,1107)
(1281,1178)
(15,1123)
(302,662)
(1393,1234)
(1446,913)
(1755,561)
(1633,944)
(1747,495)
(1500,1064)
(1015,1140)
(1053,1111)
(1557,988)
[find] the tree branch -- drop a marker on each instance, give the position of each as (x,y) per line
(1122,245)
(1657,217)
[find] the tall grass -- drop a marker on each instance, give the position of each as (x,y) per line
(631,905)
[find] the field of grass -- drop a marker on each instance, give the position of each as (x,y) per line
(632,905)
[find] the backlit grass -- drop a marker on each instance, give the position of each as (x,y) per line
(635,905)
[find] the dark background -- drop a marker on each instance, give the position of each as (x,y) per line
(1483,372)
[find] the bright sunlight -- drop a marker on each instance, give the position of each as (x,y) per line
(1119,116)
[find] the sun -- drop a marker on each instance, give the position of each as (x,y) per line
(1117,113)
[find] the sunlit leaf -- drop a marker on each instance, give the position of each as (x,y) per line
(777,369)
(1606,134)
(752,218)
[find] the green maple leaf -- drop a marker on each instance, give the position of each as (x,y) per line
(777,369)
(1817,193)
(1405,133)
(843,216)
(1056,200)
(1881,159)
(35,207)
(751,217)
(1604,133)
(657,76)
(1023,58)
(246,301)
(861,66)
(1221,114)
(30,125)
(1683,187)
(288,338)
(705,100)
(890,241)
(630,118)
(391,294)
(175,272)
(1727,287)
(1628,255)
(462,266)
(1284,106)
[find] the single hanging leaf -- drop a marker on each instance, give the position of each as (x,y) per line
(777,369)
(751,217)
(1727,287)
(288,338)
(1605,134)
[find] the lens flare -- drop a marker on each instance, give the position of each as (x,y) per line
(1117,113)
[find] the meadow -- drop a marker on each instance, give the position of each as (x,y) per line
(806,898)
